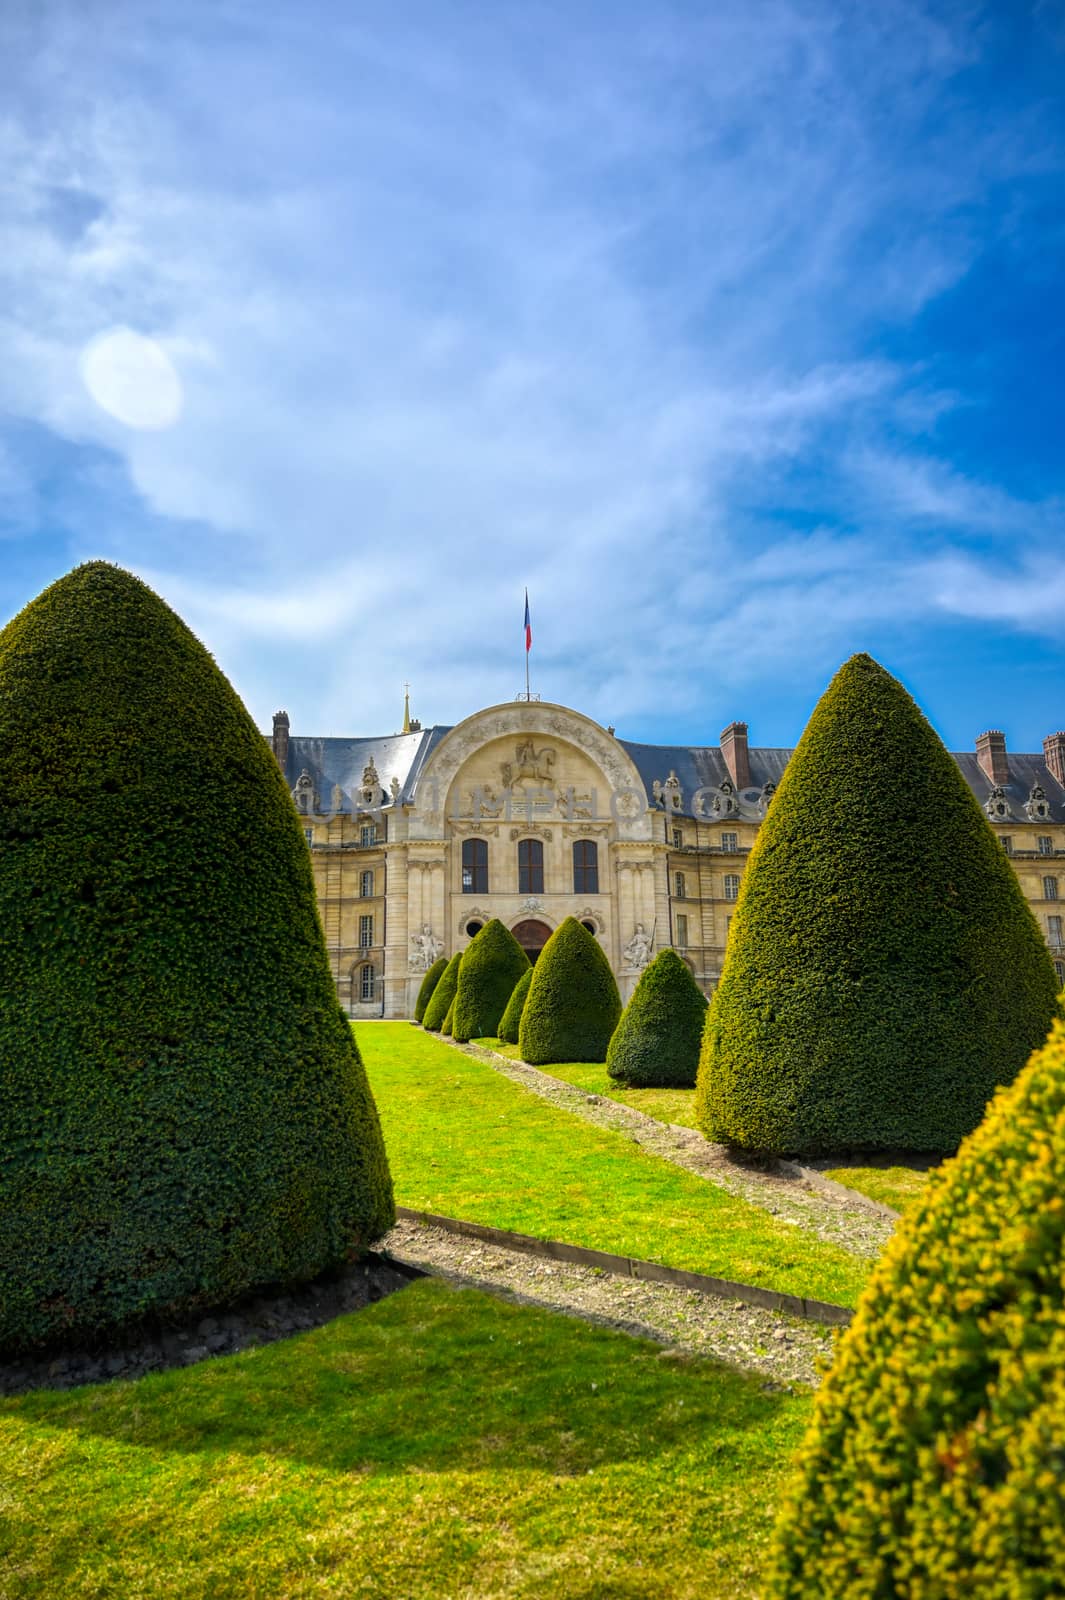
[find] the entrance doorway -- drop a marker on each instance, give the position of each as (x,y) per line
(532,936)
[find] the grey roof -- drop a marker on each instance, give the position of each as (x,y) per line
(332,761)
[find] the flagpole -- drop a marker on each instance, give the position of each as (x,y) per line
(528,694)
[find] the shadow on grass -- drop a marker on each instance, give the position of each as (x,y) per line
(431,1379)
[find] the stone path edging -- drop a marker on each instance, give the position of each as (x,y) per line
(793,1305)
(801,1196)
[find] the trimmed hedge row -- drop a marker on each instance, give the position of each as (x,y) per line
(492,963)
(510,1022)
(933,1465)
(440,1000)
(428,984)
(884,973)
(573,1004)
(658,1038)
(184,1114)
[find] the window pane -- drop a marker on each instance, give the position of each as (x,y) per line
(1046,845)
(585,866)
(365,932)
(732,885)
(530,866)
(682,931)
(728,841)
(475,866)
(1050,888)
(678,886)
(366,983)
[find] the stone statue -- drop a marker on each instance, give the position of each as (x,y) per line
(394,790)
(427,949)
(637,952)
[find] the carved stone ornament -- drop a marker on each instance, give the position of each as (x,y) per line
(1036,808)
(590,914)
(672,793)
(484,802)
(476,914)
(637,952)
(394,790)
(530,765)
(483,830)
(768,791)
(997,806)
(531,904)
(523,833)
(305,794)
(426,948)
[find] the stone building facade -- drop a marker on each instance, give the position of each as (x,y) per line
(532,812)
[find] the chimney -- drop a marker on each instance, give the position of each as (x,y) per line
(1054,755)
(734,750)
(991,754)
(280,739)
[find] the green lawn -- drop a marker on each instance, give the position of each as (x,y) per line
(466,1142)
(440,1444)
(898,1187)
(665,1105)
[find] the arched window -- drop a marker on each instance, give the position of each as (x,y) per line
(474,928)
(530,866)
(585,866)
(366,885)
(475,866)
(367,982)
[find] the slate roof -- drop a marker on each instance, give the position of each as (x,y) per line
(403,755)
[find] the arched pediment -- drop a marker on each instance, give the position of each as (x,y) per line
(533,745)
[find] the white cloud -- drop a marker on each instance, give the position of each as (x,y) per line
(453,311)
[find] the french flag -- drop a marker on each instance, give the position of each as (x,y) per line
(528,625)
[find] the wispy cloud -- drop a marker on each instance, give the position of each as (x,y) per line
(594,299)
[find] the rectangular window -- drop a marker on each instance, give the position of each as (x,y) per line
(1054,930)
(475,866)
(530,866)
(308,834)
(732,885)
(1007,844)
(729,841)
(366,885)
(366,982)
(368,833)
(679,886)
(1050,888)
(1046,845)
(585,866)
(365,932)
(678,838)
(1059,968)
(682,932)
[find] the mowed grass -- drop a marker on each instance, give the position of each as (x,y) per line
(665,1105)
(464,1141)
(898,1187)
(441,1444)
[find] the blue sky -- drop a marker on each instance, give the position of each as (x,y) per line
(735,331)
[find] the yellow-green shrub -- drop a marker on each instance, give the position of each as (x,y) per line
(934,1468)
(442,996)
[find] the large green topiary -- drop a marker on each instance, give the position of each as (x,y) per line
(448,1022)
(442,996)
(492,963)
(573,1004)
(184,1113)
(934,1463)
(510,1021)
(883,972)
(657,1040)
(428,984)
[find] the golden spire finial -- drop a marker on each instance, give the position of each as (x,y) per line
(406,708)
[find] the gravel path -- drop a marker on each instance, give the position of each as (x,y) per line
(798,1196)
(781,1349)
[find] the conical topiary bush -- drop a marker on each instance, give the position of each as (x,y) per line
(657,1040)
(442,996)
(184,1114)
(428,984)
(448,1022)
(510,1021)
(492,963)
(933,1464)
(573,1004)
(883,972)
